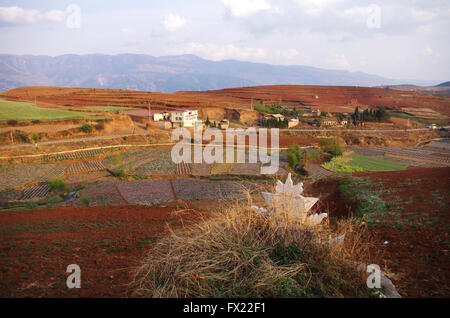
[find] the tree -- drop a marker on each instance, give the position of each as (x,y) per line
(293,156)
(207,122)
(339,117)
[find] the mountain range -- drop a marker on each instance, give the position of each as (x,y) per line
(168,73)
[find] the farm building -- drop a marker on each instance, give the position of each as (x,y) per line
(184,117)
(309,112)
(160,116)
(293,122)
(224,124)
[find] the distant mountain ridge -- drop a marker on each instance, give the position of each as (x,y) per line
(168,73)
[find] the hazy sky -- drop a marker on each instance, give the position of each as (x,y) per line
(402,39)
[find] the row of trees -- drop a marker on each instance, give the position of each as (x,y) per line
(275,123)
(379,115)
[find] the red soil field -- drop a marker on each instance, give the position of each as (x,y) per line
(325,98)
(106,242)
(418,230)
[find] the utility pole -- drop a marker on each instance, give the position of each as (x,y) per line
(148,110)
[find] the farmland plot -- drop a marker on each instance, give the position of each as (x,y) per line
(21,175)
(198,189)
(416,157)
(75,155)
(84,167)
(36,192)
(103,194)
(146,191)
(201,169)
(121,158)
(10,196)
(57,172)
(246,169)
(150,155)
(160,166)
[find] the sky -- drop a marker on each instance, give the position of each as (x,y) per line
(401,39)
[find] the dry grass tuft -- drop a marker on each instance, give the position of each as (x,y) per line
(238,253)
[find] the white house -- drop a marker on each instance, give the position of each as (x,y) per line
(184,117)
(160,116)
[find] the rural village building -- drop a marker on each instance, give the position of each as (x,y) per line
(184,117)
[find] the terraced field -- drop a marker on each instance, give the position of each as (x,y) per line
(57,172)
(146,191)
(160,166)
(84,167)
(19,176)
(36,192)
(79,155)
(417,157)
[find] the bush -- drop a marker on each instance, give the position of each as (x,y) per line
(332,145)
(123,173)
(23,137)
(238,253)
(35,137)
(338,164)
(86,128)
(86,201)
(12,122)
(55,200)
(31,205)
(293,156)
(57,184)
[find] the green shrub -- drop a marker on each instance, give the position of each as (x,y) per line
(123,173)
(55,200)
(86,201)
(57,184)
(31,205)
(338,164)
(332,146)
(293,156)
(23,137)
(86,128)
(35,137)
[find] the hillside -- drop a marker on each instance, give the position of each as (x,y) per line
(165,74)
(440,89)
(326,98)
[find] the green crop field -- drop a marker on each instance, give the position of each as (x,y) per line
(27,111)
(111,108)
(374,164)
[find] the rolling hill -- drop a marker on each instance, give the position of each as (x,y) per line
(440,89)
(325,98)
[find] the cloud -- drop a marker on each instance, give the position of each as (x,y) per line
(173,22)
(287,54)
(242,8)
(16,15)
(431,53)
(217,52)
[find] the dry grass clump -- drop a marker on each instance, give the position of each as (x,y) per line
(239,253)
